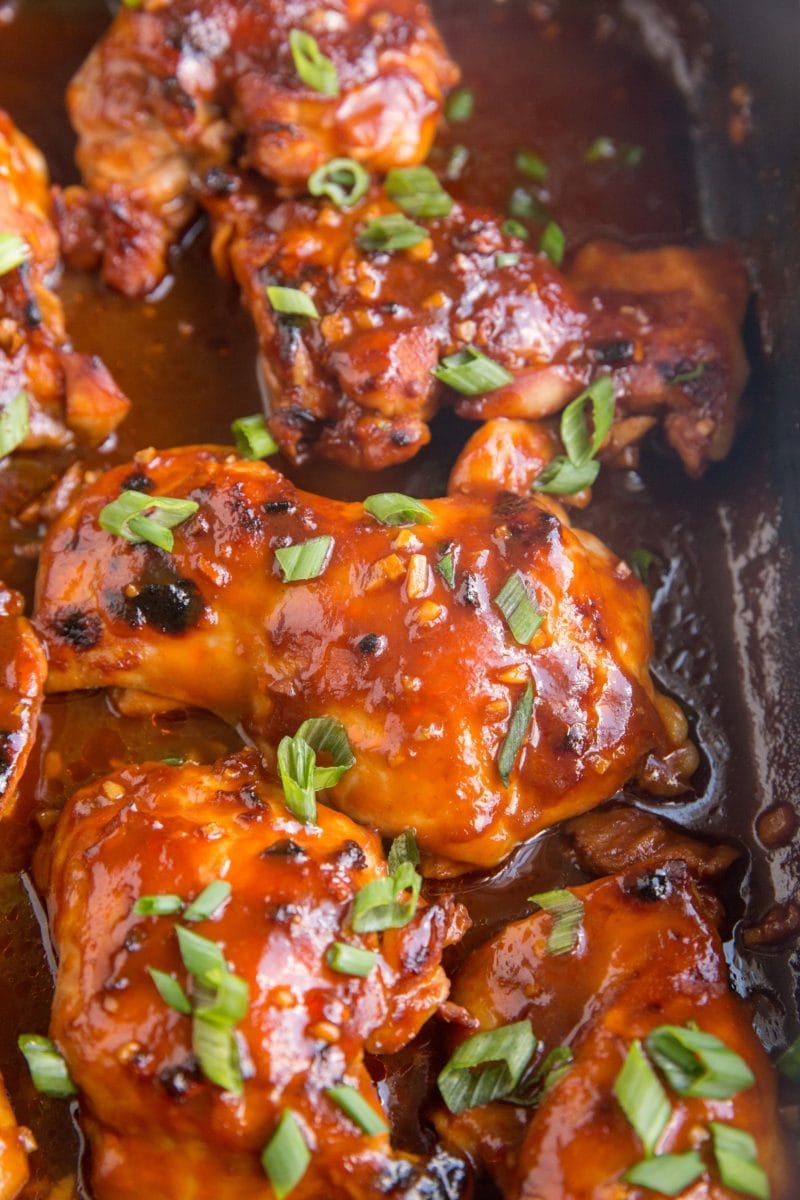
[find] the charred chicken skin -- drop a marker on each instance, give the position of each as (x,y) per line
(170,87)
(23,669)
(423,675)
(157,1124)
(68,397)
(357,384)
(647,955)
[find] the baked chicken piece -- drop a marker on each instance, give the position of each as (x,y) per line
(506,455)
(291,1026)
(23,669)
(16,1144)
(399,633)
(644,958)
(49,395)
(357,384)
(170,88)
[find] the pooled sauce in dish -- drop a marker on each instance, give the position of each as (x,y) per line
(551,78)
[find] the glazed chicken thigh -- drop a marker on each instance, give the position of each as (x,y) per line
(400,635)
(356,382)
(156,1122)
(49,395)
(23,668)
(646,956)
(170,87)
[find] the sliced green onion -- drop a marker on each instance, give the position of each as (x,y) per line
(459,157)
(296,764)
(667,1174)
(217,1053)
(698,1063)
(533,1086)
(393,508)
(163,905)
(343,180)
(600,149)
(358,1109)
(329,736)
(471,373)
(446,566)
(562,478)
(553,242)
(789,1062)
(506,260)
(578,443)
(313,67)
(688,376)
(531,165)
(404,849)
(226,1003)
(512,228)
(631,156)
(14,423)
(202,958)
(173,762)
(642,1098)
(642,559)
(48,1069)
(392,232)
(292,302)
(525,206)
(567,912)
(460,104)
(304,560)
(350,960)
(737,1160)
(517,603)
(210,899)
(517,729)
(418,192)
(137,517)
(487,1066)
(170,991)
(14,251)
(286,1156)
(253,439)
(379,904)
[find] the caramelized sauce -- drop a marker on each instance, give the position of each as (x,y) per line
(549,77)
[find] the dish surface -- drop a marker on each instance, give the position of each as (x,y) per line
(722,598)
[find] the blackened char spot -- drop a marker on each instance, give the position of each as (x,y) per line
(526,522)
(137,481)
(284,849)
(351,855)
(401,437)
(81,629)
(178,1081)
(168,607)
(371,643)
(613,353)
(653,885)
(468,593)
(279,507)
(441,1177)
(244,515)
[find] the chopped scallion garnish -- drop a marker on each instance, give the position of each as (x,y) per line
(642,1098)
(357,1108)
(696,1063)
(292,302)
(531,165)
(393,508)
(170,991)
(137,517)
(327,735)
(789,1062)
(553,242)
(286,1156)
(48,1069)
(534,1084)
(459,157)
(383,903)
(210,899)
(313,67)
(14,251)
(215,1048)
(460,104)
(688,376)
(350,960)
(517,729)
(253,439)
(642,559)
(304,560)
(563,478)
(567,912)
(392,232)
(226,1003)
(737,1161)
(667,1174)
(506,259)
(579,443)
(487,1066)
(343,180)
(446,566)
(517,603)
(163,905)
(600,149)
(404,849)
(14,423)
(525,206)
(512,228)
(296,763)
(418,192)
(202,958)
(471,373)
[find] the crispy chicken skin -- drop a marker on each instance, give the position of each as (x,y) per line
(170,87)
(15,1145)
(643,959)
(70,396)
(356,386)
(156,1126)
(23,669)
(423,676)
